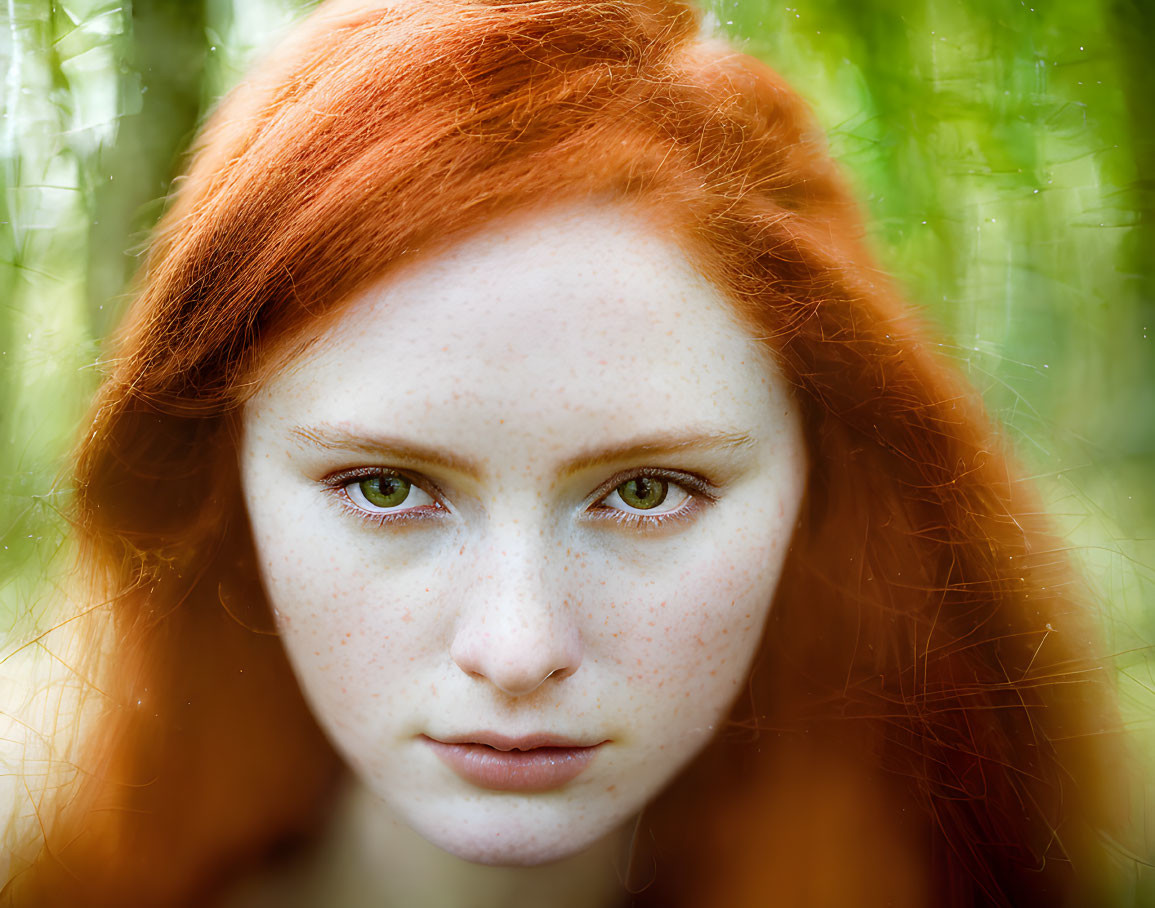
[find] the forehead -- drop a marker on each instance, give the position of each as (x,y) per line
(588,310)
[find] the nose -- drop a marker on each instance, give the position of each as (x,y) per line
(515,631)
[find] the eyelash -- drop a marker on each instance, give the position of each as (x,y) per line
(699,493)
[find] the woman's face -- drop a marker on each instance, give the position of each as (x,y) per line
(521,513)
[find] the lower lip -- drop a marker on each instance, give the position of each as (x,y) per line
(540,769)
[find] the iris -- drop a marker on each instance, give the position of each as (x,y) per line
(386,491)
(644,492)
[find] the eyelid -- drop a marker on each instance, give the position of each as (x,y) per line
(691,482)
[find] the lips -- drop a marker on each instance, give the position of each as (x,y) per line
(501,763)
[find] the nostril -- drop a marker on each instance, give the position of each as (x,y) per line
(558,674)
(513,678)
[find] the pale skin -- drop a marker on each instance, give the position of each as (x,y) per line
(524,397)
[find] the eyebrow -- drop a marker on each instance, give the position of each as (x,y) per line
(671,443)
(331,438)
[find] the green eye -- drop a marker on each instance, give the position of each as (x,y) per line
(644,492)
(385,491)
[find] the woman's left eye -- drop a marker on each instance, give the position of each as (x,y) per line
(647,495)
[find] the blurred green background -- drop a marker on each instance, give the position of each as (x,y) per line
(1005,154)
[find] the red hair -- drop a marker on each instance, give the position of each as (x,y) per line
(925,722)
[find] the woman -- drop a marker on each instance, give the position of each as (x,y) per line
(799,636)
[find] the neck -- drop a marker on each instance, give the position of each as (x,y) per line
(371,857)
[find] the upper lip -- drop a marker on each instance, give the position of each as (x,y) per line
(506,742)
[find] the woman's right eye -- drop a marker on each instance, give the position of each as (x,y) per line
(385,493)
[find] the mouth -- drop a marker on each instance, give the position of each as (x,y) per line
(501,763)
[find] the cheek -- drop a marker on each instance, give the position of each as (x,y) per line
(355,634)
(687,638)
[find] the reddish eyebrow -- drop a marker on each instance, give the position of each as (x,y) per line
(333,438)
(672,443)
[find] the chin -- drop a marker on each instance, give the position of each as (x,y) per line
(515,857)
(514,848)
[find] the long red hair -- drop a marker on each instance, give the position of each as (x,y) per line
(925,723)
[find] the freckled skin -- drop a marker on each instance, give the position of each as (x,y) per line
(521,607)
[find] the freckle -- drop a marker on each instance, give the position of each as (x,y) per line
(612,788)
(343,642)
(349,634)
